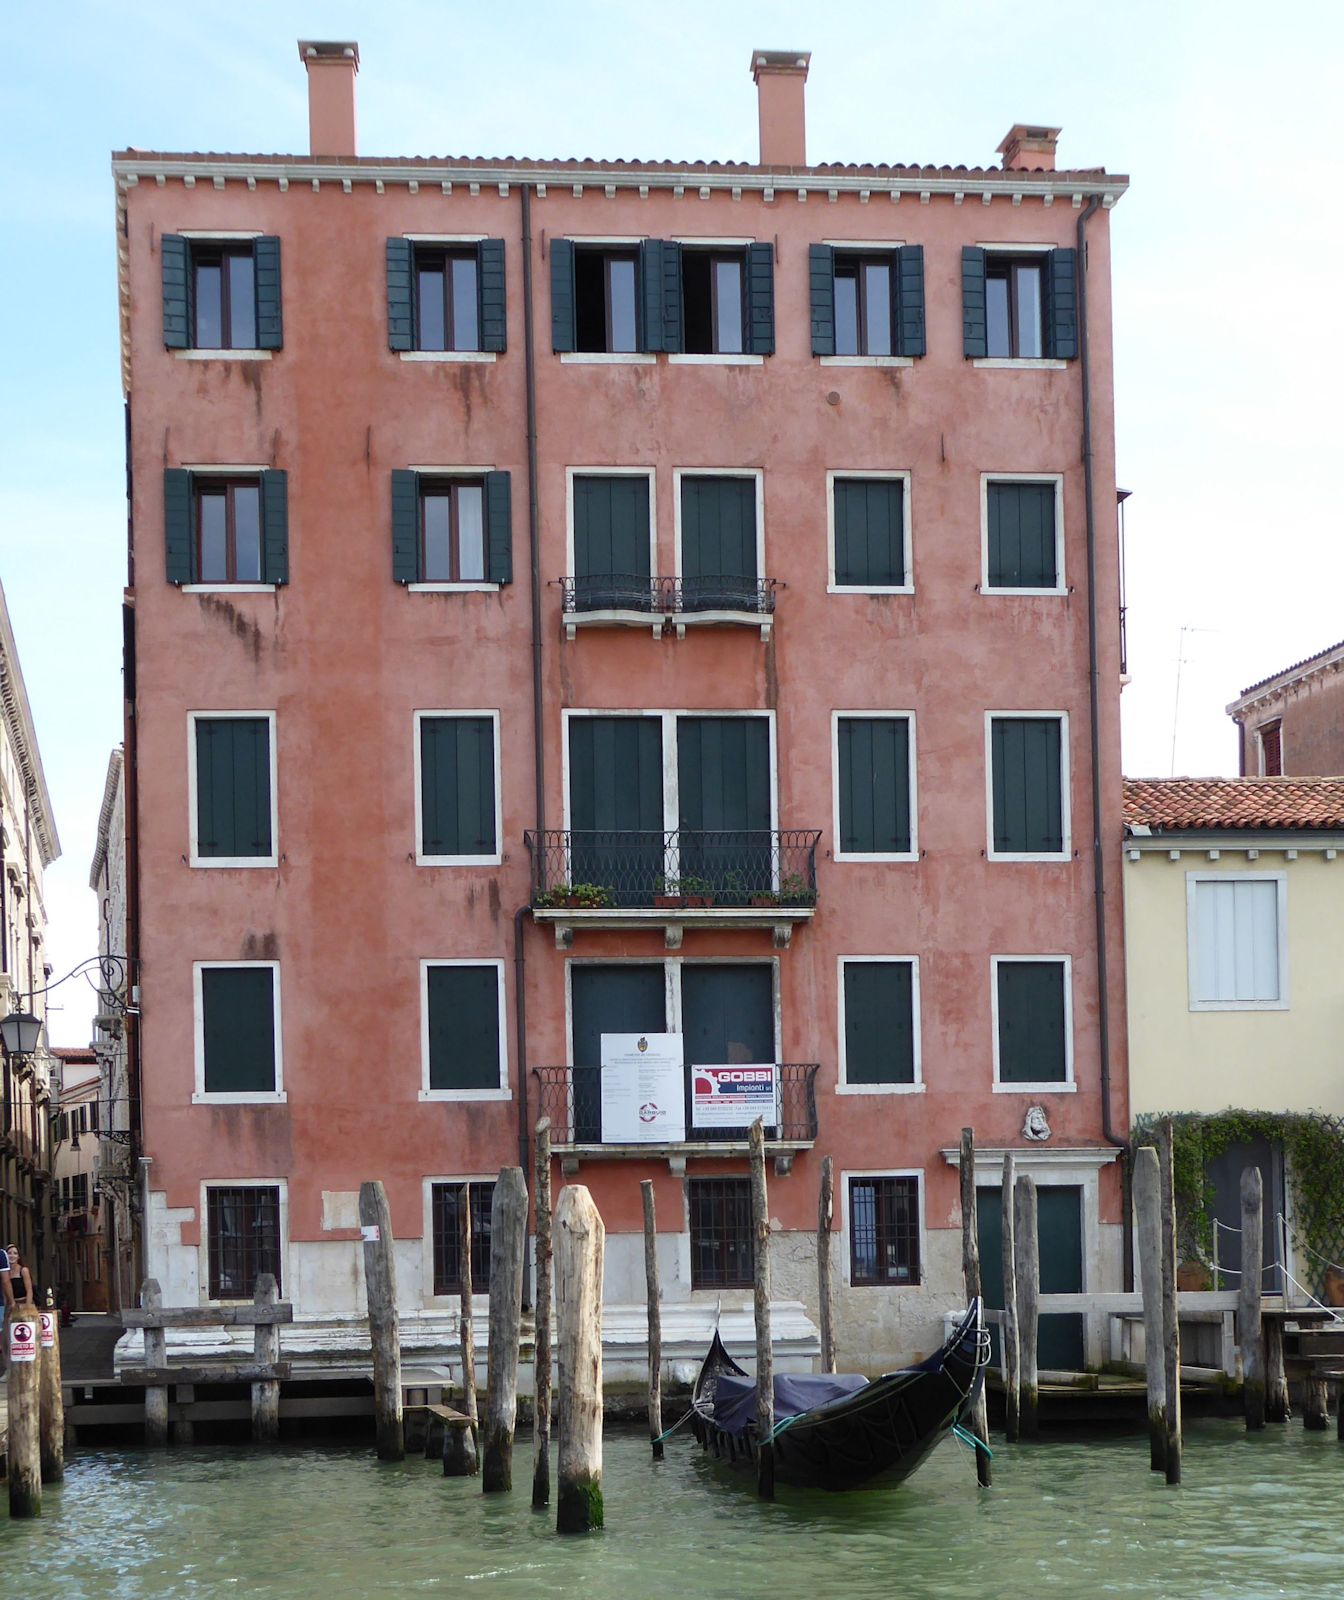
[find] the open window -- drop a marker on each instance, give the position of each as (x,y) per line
(713,284)
(606,300)
(1019,304)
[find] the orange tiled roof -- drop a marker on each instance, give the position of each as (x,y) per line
(1285,672)
(1234,803)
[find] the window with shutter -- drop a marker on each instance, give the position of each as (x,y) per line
(1023,551)
(1270,735)
(1032,1046)
(463,1030)
(612,532)
(870,533)
(874,787)
(1028,784)
(232,794)
(222,296)
(458,797)
(237,1032)
(719,542)
(451,530)
(879,1025)
(1237,943)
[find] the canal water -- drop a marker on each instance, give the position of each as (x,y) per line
(1256,1517)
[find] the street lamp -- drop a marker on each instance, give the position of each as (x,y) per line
(21,1031)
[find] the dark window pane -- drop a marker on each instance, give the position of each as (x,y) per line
(697,303)
(996,311)
(590,300)
(213,566)
(1031,1022)
(728,306)
(247,533)
(884,1231)
(463,1027)
(429,295)
(1027,309)
(471,533)
(243,1239)
(846,310)
(447,1222)
(242,301)
(238,1029)
(877,307)
(466,318)
(209,304)
(436,510)
(621,303)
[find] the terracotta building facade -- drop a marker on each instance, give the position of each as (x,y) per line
(584,605)
(1292,723)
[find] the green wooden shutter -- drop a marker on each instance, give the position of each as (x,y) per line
(1061,305)
(1031,1022)
(974,314)
(761,299)
(494,322)
(233,787)
(275,525)
(908,279)
(463,1027)
(718,533)
(651,294)
(400,294)
(498,528)
(1021,553)
(175,260)
(674,337)
(869,516)
(563,335)
(270,310)
(457,786)
(1027,785)
(179,536)
(405,527)
(879,1022)
(873,754)
(611,534)
(238,1029)
(821,283)
(723,778)
(616,805)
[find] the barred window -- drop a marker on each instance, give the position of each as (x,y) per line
(722,1256)
(243,1234)
(446,1215)
(884,1231)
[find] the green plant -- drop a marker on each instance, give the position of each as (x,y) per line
(795,890)
(580,896)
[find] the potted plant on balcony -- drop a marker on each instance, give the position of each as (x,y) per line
(795,890)
(697,892)
(574,897)
(667,894)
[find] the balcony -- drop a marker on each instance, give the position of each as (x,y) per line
(627,600)
(572,1098)
(686,878)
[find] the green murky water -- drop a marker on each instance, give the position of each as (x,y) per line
(1255,1517)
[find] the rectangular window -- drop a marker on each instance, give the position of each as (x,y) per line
(874,787)
(1015,305)
(1022,530)
(1028,770)
(884,1232)
(79,1192)
(233,796)
(870,533)
(243,1238)
(237,1030)
(1237,946)
(606,300)
(719,541)
(452,530)
(458,796)
(446,1219)
(93,1116)
(879,1027)
(1271,748)
(447,298)
(463,1030)
(224,296)
(863,302)
(1032,1006)
(228,530)
(612,520)
(713,289)
(722,1254)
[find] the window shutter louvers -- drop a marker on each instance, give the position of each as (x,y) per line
(821,281)
(498,528)
(494,322)
(270,315)
(179,545)
(400,302)
(673,335)
(974,318)
(562,295)
(175,258)
(651,291)
(275,526)
(909,319)
(1061,305)
(761,299)
(405,527)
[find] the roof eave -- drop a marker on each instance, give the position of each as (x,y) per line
(19,719)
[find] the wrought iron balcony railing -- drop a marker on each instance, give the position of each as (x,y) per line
(572,1098)
(624,591)
(694,869)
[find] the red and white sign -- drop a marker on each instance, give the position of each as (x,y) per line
(733,1097)
(48,1330)
(23,1341)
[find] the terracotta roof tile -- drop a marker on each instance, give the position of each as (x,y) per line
(1297,666)
(1232,804)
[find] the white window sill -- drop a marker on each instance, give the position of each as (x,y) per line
(993,589)
(604,358)
(1239,1005)
(458,861)
(223,355)
(867,361)
(879,1088)
(739,360)
(1020,363)
(245,863)
(856,856)
(451,588)
(486,357)
(884,1288)
(1035,1088)
(854,588)
(228,588)
(501,1095)
(273,1097)
(995,855)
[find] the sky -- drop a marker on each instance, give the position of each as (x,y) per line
(1229,316)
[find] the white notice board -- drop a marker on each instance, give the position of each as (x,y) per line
(643,1089)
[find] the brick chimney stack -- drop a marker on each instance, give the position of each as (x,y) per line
(332,66)
(780,76)
(1027,147)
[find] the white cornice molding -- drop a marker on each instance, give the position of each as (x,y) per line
(1198,841)
(111,784)
(989,1158)
(1284,683)
(19,725)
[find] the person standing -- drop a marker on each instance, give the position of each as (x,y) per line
(19,1278)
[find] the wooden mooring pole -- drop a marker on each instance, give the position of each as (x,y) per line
(1316,1402)
(653,1297)
(541,1360)
(1277,1407)
(156,1357)
(825,1288)
(51,1405)
(1250,1326)
(1027,1270)
(765,1356)
(1171,1328)
(380,1282)
(23,1447)
(461,1455)
(1008,1336)
(1148,1213)
(266,1351)
(508,1240)
(970,1267)
(580,1242)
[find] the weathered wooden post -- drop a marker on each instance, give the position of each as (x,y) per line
(156,1356)
(51,1405)
(765,1356)
(541,1360)
(1171,1327)
(467,1313)
(580,1243)
(1316,1402)
(380,1280)
(508,1239)
(266,1351)
(1012,1361)
(1277,1407)
(1027,1269)
(1148,1212)
(1250,1327)
(24,1450)
(970,1267)
(653,1295)
(825,1288)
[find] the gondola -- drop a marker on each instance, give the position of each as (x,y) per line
(835,1431)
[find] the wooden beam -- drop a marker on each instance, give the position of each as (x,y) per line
(227,1316)
(1012,1359)
(970,1270)
(380,1282)
(1171,1327)
(266,1350)
(23,1444)
(825,1288)
(206,1372)
(156,1356)
(1027,1267)
(1250,1328)
(508,1240)
(580,1246)
(541,1345)
(653,1297)
(50,1399)
(765,1360)
(1148,1212)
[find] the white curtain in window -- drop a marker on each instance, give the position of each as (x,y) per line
(1236,943)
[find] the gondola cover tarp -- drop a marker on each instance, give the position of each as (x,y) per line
(735,1398)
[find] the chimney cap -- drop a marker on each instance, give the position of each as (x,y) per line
(1025,139)
(779,61)
(329,50)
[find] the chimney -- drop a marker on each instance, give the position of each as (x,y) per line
(332,65)
(780,76)
(1029,148)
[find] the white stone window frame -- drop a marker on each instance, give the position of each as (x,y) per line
(503,1092)
(1066,1085)
(907,518)
(837,854)
(193,787)
(422,859)
(248,1097)
(1057,479)
(203,1249)
(843,1086)
(1192,882)
(846,1230)
(1065,786)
